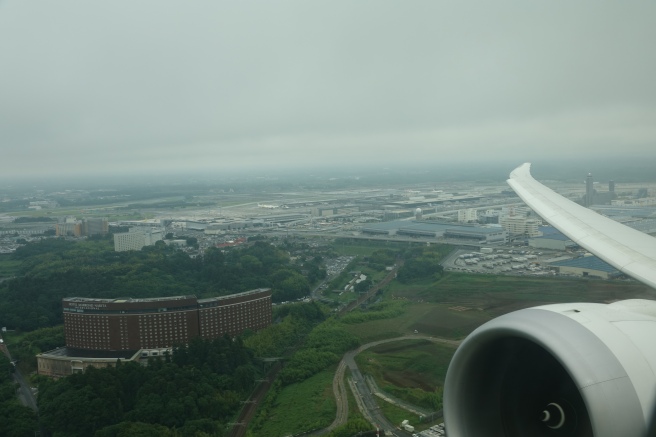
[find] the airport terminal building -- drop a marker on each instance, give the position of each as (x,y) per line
(100,331)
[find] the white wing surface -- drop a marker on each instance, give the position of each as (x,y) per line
(631,251)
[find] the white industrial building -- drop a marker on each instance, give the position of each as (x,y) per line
(515,220)
(467,215)
(137,238)
(523,211)
(518,225)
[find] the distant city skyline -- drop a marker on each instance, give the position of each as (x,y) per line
(124,88)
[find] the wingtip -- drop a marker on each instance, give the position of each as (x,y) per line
(522,170)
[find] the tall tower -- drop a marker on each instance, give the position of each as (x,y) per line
(589,190)
(611,186)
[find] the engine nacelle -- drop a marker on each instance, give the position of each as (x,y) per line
(577,369)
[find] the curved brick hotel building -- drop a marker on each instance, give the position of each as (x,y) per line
(101,330)
(132,324)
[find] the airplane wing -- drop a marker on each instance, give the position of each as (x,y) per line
(631,251)
(572,369)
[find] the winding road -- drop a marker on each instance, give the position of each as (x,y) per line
(24,392)
(364,397)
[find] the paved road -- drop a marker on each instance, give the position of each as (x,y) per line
(25,394)
(364,397)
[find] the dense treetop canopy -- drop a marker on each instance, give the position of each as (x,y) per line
(52,269)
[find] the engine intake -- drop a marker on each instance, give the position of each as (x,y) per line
(574,370)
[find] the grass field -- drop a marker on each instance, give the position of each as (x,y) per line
(498,294)
(395,414)
(457,304)
(13,338)
(365,248)
(303,406)
(426,318)
(452,307)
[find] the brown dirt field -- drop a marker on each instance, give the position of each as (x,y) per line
(407,379)
(443,322)
(416,364)
(397,346)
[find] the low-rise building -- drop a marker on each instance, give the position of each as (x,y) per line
(65,361)
(586,266)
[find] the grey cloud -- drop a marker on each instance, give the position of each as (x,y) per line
(172,84)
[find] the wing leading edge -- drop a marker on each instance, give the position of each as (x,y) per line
(629,250)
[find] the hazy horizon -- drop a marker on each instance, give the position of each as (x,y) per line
(621,170)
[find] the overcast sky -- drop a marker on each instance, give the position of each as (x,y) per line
(160,86)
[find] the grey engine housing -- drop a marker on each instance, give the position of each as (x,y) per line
(576,369)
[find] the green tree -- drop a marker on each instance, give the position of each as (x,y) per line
(363,286)
(134,429)
(195,392)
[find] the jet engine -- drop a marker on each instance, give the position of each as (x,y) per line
(575,370)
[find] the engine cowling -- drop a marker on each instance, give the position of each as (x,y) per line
(575,370)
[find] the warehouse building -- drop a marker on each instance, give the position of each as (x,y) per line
(551,238)
(586,266)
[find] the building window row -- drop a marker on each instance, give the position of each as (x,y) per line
(152,330)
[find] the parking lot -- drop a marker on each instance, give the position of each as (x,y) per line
(518,261)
